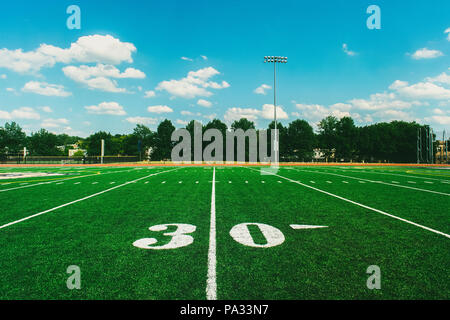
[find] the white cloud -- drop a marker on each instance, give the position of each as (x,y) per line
(111,108)
(347,51)
(262,89)
(442,120)
(425,53)
(182,122)
(194,85)
(442,78)
(210,116)
(379,101)
(45,89)
(5,115)
(316,112)
(98,77)
(267,112)
(186,59)
(25,113)
(46,109)
(448,35)
(204,103)
(421,90)
(149,94)
(159,109)
(438,111)
(3,76)
(142,120)
(186,113)
(233,114)
(54,123)
(87,49)
(391,115)
(251,114)
(204,57)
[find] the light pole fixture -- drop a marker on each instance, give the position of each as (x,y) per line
(275,60)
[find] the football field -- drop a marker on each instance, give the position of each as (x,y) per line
(224,232)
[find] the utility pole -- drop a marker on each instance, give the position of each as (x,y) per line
(427,144)
(417,147)
(102,153)
(275,60)
(431,146)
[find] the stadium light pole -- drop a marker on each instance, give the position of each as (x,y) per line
(275,60)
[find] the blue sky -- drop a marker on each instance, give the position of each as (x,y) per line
(144,61)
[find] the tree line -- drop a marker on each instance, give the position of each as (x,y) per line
(335,140)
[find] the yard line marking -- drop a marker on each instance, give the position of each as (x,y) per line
(79,200)
(60,182)
(395,182)
(211,282)
(305,226)
(146,182)
(344,182)
(77,182)
(411,182)
(380,182)
(360,205)
(361,181)
(94,182)
(429,182)
(398,175)
(329,182)
(50,182)
(112,182)
(312,181)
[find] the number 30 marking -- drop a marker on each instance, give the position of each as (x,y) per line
(180,237)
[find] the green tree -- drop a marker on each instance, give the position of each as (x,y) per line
(44,143)
(93,144)
(346,139)
(163,142)
(146,136)
(12,138)
(301,140)
(327,137)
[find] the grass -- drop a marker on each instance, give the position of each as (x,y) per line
(97,234)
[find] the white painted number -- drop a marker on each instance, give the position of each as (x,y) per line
(180,237)
(241,234)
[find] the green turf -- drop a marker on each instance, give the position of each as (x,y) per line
(97,234)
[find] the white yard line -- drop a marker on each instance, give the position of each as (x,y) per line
(394,174)
(50,182)
(211,282)
(361,180)
(360,205)
(79,200)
